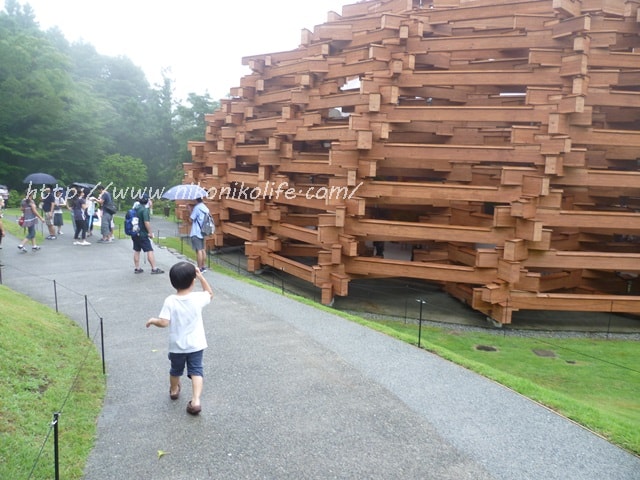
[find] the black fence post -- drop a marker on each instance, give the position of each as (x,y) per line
(56,459)
(104,369)
(86,313)
(55,294)
(422,302)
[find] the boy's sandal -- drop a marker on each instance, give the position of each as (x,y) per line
(193,410)
(174,396)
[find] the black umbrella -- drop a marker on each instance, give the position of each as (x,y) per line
(40,179)
(86,186)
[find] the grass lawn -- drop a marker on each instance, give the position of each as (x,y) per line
(47,365)
(594,382)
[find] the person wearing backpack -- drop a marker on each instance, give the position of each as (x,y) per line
(198,216)
(142,238)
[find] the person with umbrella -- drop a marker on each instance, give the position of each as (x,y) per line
(197,217)
(48,206)
(108,210)
(31,216)
(59,201)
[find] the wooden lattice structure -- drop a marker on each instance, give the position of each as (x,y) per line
(497,141)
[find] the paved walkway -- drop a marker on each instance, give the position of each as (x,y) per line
(292,392)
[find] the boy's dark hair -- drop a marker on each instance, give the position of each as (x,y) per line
(182,275)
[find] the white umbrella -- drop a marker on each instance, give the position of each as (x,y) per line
(185,192)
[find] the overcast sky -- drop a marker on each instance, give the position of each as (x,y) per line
(202,42)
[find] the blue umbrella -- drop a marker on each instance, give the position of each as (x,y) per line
(185,192)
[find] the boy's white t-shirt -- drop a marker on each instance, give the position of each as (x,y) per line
(186,329)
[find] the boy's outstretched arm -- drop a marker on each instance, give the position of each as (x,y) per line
(158,322)
(203,281)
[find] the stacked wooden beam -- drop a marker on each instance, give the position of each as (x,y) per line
(497,141)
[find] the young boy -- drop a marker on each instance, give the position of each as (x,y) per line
(182,313)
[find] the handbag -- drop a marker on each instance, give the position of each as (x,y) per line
(110,208)
(21,221)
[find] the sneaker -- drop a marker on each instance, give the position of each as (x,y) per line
(51,237)
(60,233)
(22,249)
(156,271)
(203,269)
(102,240)
(76,242)
(138,270)
(35,248)
(84,242)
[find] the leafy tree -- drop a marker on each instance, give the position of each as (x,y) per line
(189,124)
(125,176)
(64,107)
(163,148)
(47,123)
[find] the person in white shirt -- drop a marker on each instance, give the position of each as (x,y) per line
(182,313)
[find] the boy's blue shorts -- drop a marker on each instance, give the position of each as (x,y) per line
(192,360)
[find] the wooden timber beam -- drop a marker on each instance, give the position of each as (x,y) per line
(378,267)
(303,66)
(599,178)
(574,302)
(595,136)
(540,39)
(619,222)
(306,51)
(391,230)
(239,231)
(553,259)
(524,114)
(283,264)
(430,191)
(246,179)
(301,234)
(542,76)
(420,155)
(481,13)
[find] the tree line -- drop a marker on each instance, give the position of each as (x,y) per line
(85,117)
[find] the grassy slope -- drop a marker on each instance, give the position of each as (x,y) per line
(47,365)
